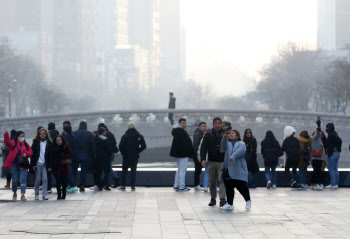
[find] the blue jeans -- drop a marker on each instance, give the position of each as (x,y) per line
(206,176)
(112,173)
(84,162)
(252,180)
(19,176)
(302,175)
(71,176)
(333,168)
(270,175)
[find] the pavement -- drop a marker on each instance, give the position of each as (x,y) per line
(163,213)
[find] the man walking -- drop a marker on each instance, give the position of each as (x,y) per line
(181,150)
(211,145)
(172,101)
(86,152)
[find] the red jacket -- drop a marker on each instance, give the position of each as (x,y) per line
(13,151)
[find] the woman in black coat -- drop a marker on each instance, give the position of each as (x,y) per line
(102,159)
(271,151)
(250,156)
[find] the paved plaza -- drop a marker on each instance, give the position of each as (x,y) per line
(163,213)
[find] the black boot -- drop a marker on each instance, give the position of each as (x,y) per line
(212,202)
(116,183)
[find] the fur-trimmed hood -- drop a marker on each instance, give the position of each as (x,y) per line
(288,131)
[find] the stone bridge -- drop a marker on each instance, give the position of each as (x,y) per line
(154,124)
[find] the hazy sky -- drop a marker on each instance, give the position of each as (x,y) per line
(241,35)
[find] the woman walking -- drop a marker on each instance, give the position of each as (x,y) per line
(271,151)
(61,154)
(17,161)
(304,157)
(250,156)
(40,161)
(235,172)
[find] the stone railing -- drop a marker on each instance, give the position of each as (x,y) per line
(159,117)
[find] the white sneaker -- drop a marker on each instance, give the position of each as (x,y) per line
(227,207)
(248,205)
(36,197)
(317,187)
(274,186)
(217,189)
(321,185)
(198,188)
(95,188)
(268,185)
(329,186)
(206,189)
(335,186)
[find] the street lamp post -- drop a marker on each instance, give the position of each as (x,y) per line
(11,81)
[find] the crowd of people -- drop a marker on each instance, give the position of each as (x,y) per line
(60,155)
(230,161)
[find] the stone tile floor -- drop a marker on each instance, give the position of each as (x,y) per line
(163,213)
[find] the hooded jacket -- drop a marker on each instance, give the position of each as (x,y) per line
(103,152)
(86,142)
(291,145)
(182,143)
(333,140)
(13,150)
(73,145)
(132,144)
(197,137)
(211,146)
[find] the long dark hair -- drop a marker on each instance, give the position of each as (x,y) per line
(270,139)
(64,142)
(37,136)
(18,133)
(245,138)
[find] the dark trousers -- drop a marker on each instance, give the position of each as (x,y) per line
(292,164)
(316,174)
(8,177)
(98,178)
(171,118)
(84,162)
(252,177)
(241,186)
(197,172)
(61,181)
(132,164)
(49,181)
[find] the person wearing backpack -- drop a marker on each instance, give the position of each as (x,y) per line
(197,139)
(40,161)
(17,162)
(271,151)
(304,157)
(291,146)
(334,144)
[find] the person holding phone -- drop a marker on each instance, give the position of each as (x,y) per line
(17,162)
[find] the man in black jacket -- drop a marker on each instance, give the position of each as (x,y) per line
(131,145)
(197,137)
(334,144)
(211,145)
(113,143)
(181,149)
(86,150)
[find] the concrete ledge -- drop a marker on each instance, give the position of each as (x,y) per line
(151,177)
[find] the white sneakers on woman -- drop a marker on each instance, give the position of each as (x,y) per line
(227,207)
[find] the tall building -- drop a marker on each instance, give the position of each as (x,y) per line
(333,32)
(143,28)
(111,31)
(172,42)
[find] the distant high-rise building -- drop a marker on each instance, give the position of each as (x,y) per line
(172,41)
(111,31)
(333,31)
(143,28)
